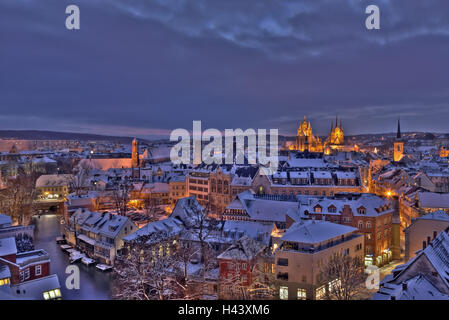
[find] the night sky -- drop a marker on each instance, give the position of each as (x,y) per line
(146,67)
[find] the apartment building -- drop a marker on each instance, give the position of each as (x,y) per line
(370,214)
(305,248)
(99,235)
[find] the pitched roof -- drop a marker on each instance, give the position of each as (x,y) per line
(245,248)
(433,200)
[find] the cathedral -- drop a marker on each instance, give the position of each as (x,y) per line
(305,140)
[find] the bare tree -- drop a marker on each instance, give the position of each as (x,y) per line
(79,179)
(247,278)
(150,208)
(344,274)
(263,285)
(149,270)
(121,194)
(200,229)
(17,199)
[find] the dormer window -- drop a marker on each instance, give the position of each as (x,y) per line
(318,208)
(361,210)
(332,209)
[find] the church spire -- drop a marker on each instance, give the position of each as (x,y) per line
(398,134)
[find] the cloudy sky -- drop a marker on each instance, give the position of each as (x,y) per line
(146,67)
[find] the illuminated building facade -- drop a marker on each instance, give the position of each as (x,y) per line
(306,141)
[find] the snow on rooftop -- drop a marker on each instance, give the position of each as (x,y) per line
(433,200)
(315,231)
(245,249)
(436,215)
(345,175)
(306,163)
(8,246)
(53,180)
(5,220)
(322,175)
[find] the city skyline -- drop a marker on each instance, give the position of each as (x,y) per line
(134,68)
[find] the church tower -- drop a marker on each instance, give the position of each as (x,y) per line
(135,160)
(337,136)
(398,145)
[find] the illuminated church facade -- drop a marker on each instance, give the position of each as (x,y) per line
(305,140)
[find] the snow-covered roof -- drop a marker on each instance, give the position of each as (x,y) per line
(322,175)
(436,215)
(315,231)
(106,223)
(245,249)
(106,164)
(169,226)
(5,220)
(34,289)
(53,180)
(306,163)
(255,230)
(433,200)
(280,175)
(157,187)
(416,288)
(345,175)
(260,209)
(4,272)
(374,205)
(183,214)
(44,159)
(27,257)
(299,175)
(418,285)
(8,246)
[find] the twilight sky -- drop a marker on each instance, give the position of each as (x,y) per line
(144,67)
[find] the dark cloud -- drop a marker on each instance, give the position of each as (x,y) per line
(146,67)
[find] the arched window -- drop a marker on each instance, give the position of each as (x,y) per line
(360,224)
(368,224)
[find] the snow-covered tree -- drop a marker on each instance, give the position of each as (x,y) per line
(121,194)
(79,180)
(344,274)
(17,199)
(148,270)
(24,243)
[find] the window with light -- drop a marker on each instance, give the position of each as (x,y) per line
(283,293)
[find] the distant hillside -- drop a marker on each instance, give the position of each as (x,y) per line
(52,135)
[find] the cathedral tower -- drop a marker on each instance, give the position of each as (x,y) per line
(398,145)
(337,136)
(135,154)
